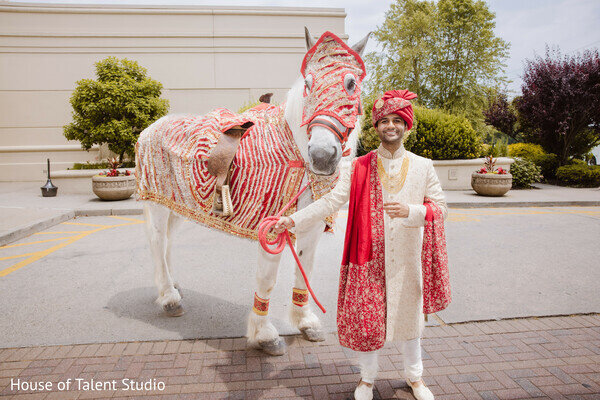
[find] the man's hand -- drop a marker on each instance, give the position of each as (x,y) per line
(283,224)
(396,210)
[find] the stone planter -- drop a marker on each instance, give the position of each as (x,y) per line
(113,187)
(456,174)
(491,184)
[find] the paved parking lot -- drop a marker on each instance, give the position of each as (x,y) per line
(90,279)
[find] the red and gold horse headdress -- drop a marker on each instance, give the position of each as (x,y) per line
(328,63)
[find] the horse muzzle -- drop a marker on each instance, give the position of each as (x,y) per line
(323,159)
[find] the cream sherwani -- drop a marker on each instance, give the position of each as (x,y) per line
(403,236)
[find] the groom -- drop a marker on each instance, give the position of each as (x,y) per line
(381,291)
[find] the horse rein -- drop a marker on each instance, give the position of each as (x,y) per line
(266,224)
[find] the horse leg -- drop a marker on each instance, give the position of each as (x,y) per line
(261,333)
(157,229)
(174,222)
(301,314)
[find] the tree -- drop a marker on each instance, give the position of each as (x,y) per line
(446,52)
(560,106)
(115,108)
(407,39)
(501,115)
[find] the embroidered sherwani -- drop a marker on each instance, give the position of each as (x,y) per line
(403,236)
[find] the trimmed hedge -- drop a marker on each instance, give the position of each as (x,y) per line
(435,134)
(579,175)
(442,136)
(524,173)
(548,163)
(528,151)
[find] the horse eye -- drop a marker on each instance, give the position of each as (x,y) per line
(350,84)
(308,82)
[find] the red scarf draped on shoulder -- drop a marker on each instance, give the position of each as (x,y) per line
(361,310)
(434,261)
(361,313)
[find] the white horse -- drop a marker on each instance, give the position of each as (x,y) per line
(321,111)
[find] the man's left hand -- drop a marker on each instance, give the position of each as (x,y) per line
(396,210)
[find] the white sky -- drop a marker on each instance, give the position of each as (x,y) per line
(573,25)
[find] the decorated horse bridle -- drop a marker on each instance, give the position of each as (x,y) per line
(342,136)
(328,65)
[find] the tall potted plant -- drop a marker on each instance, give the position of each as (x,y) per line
(116,107)
(114,184)
(491,181)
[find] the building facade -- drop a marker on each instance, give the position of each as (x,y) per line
(205,57)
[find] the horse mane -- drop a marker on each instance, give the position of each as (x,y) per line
(293,116)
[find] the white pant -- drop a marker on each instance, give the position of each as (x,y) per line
(413,365)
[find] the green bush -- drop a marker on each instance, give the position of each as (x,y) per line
(435,134)
(524,173)
(248,105)
(576,161)
(498,148)
(579,175)
(116,107)
(535,153)
(102,165)
(528,151)
(368,140)
(443,136)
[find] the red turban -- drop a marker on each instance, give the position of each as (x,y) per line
(395,102)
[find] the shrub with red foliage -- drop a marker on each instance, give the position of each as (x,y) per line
(501,116)
(560,106)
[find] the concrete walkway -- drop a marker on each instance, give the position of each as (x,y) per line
(23,210)
(546,358)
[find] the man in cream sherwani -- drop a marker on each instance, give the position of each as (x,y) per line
(404,180)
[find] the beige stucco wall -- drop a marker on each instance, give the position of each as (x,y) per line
(205,57)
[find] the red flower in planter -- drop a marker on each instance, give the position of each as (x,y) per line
(482,171)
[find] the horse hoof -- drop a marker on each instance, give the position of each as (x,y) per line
(176,286)
(275,347)
(174,309)
(313,335)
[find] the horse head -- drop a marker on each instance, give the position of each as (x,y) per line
(333,74)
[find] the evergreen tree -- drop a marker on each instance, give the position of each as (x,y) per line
(116,107)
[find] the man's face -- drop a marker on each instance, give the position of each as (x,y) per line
(391,128)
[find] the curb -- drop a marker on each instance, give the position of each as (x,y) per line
(30,229)
(516,204)
(100,212)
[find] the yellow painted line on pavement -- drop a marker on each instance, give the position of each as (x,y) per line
(53,232)
(127,219)
(530,212)
(36,242)
(17,256)
(32,257)
(82,224)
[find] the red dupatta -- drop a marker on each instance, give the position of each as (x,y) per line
(361,313)
(434,261)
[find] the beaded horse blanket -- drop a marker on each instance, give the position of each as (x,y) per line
(267,170)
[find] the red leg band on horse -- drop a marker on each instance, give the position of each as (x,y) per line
(261,306)
(300,297)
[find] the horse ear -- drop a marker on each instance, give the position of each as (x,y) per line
(310,42)
(360,46)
